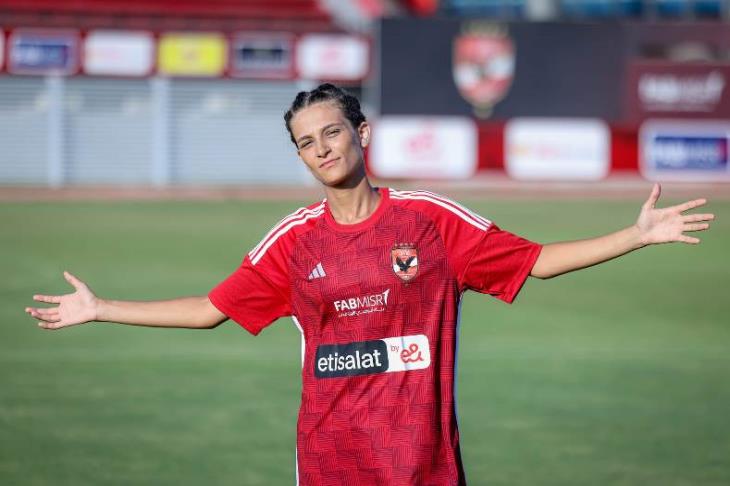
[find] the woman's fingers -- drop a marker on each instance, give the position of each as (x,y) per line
(695,227)
(690,205)
(656,191)
(49,325)
(689,239)
(75,282)
(48,299)
(696,218)
(50,315)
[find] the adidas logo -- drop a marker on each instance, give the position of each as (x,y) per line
(317,272)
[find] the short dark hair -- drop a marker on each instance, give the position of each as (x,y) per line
(349,104)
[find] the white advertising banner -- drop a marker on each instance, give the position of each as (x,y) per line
(119,53)
(685,150)
(424,147)
(332,57)
(557,149)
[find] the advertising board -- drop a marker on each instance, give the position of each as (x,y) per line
(685,150)
(557,149)
(332,57)
(192,54)
(262,56)
(424,147)
(118,53)
(43,52)
(666,89)
(500,70)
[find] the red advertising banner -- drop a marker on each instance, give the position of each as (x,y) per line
(678,90)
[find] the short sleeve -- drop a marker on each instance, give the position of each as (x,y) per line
(500,264)
(252,297)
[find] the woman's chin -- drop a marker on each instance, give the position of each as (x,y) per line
(334,178)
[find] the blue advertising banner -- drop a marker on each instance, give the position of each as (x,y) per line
(43,52)
(690,153)
(685,150)
(262,56)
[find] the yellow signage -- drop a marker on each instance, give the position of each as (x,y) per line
(189,54)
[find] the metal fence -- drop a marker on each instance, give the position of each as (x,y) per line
(158,131)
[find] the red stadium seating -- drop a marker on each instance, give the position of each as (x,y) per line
(220,14)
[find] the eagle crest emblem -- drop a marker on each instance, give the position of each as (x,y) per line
(483,65)
(404,258)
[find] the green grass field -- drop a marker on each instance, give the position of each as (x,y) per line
(616,375)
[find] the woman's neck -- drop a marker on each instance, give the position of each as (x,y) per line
(351,205)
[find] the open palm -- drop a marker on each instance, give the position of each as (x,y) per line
(76,308)
(668,225)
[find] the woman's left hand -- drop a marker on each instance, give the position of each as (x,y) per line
(667,225)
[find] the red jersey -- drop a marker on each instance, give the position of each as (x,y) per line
(377,303)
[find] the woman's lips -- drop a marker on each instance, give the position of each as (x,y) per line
(328,164)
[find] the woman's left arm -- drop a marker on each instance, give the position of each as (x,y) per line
(654,226)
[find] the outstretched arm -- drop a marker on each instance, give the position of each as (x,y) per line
(654,226)
(84,306)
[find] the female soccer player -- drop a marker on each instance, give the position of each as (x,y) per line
(373,278)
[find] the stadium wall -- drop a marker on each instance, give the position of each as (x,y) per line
(658,93)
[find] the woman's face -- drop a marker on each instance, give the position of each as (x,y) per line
(328,144)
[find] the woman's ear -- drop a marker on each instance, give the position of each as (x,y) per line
(364,133)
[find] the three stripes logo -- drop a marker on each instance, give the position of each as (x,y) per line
(317,272)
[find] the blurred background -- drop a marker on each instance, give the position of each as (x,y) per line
(142,147)
(165,93)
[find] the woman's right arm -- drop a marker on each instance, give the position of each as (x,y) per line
(84,306)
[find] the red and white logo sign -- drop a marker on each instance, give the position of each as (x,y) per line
(413,147)
(483,66)
(406,353)
(405,261)
(332,57)
(119,53)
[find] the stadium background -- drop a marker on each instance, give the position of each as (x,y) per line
(142,147)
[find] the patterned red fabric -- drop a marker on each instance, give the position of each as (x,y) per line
(380,344)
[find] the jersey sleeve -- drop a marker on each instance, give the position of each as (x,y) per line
(500,263)
(257,292)
(483,257)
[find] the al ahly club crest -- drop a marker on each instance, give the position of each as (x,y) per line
(483,65)
(405,261)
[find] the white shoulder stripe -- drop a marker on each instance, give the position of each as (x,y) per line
(462,212)
(262,251)
(451,202)
(284,220)
(295,215)
(469,220)
(463,208)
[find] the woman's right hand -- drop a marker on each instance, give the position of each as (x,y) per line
(71,309)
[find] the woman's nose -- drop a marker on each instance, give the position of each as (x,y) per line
(322,149)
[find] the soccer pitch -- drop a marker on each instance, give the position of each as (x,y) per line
(616,375)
